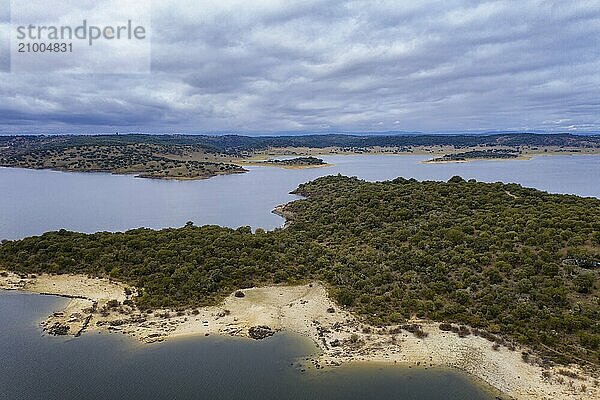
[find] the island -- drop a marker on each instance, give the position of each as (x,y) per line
(298,162)
(476,155)
(495,279)
(205,156)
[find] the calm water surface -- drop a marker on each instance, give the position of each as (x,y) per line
(33,202)
(109,366)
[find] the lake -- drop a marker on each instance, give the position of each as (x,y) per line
(110,366)
(104,366)
(34,202)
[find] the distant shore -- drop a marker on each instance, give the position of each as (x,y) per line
(263,164)
(100,304)
(235,165)
(440,161)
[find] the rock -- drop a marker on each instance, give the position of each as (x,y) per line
(260,332)
(239,294)
(58,329)
(331,310)
(335,343)
(322,331)
(113,303)
(138,319)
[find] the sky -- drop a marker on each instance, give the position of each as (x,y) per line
(269,66)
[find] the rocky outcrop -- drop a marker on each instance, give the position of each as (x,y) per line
(260,332)
(284,213)
(58,329)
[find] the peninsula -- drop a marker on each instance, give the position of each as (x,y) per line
(477,155)
(370,271)
(297,162)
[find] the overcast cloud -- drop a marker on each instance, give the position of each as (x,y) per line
(267,66)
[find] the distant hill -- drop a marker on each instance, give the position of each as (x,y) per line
(232,144)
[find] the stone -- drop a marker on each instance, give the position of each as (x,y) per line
(58,329)
(260,332)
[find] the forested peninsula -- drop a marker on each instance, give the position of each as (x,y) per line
(514,262)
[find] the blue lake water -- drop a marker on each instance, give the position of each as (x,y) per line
(109,366)
(33,202)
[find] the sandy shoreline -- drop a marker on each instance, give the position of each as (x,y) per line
(100,304)
(436,161)
(253,163)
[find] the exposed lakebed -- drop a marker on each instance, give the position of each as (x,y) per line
(111,366)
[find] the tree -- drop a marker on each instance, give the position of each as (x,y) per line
(456,179)
(585,282)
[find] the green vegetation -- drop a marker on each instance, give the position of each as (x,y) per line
(493,154)
(296,162)
(235,145)
(499,257)
(145,160)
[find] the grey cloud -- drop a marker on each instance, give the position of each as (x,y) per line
(331,65)
(4,36)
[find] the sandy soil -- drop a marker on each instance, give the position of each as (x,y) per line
(87,297)
(307,310)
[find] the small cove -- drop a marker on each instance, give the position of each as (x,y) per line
(110,366)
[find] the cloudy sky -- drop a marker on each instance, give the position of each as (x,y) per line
(267,66)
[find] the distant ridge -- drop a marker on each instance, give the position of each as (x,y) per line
(310,133)
(232,143)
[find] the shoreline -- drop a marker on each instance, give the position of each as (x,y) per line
(140,175)
(255,161)
(417,151)
(287,216)
(436,161)
(266,164)
(99,304)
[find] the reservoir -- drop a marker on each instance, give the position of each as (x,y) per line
(111,366)
(33,202)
